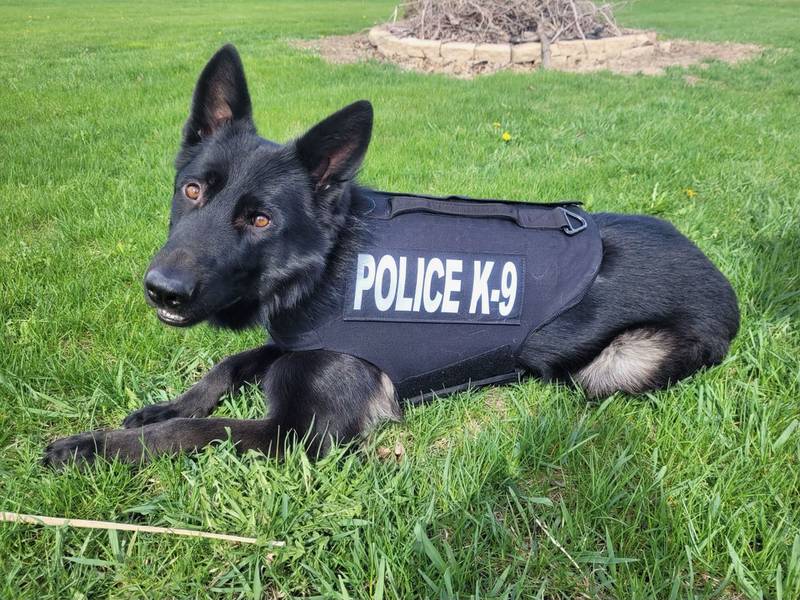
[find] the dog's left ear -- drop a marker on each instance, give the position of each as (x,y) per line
(220,96)
(332,150)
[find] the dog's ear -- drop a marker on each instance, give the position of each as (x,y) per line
(333,149)
(220,96)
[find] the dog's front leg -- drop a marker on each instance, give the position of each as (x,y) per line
(170,437)
(316,395)
(203,397)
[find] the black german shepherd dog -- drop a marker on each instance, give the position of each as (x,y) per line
(255,229)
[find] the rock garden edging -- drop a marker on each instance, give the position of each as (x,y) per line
(563,54)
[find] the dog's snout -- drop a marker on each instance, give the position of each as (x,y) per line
(169,289)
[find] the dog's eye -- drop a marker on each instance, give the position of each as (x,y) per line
(192,191)
(260,221)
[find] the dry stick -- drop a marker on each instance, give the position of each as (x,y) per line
(610,16)
(578,25)
(544,528)
(610,22)
(12,517)
(493,20)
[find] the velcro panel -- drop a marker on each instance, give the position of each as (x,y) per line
(464,374)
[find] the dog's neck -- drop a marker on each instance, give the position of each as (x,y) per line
(300,297)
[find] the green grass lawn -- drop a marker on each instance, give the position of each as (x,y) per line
(522,491)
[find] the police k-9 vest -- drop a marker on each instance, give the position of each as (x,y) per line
(443,292)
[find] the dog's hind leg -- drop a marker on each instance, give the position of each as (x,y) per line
(633,362)
(203,397)
(649,358)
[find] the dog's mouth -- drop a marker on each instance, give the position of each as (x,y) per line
(174,319)
(177,320)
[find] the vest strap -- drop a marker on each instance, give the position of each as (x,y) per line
(525,216)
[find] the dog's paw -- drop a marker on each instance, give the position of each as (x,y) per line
(154,413)
(80,449)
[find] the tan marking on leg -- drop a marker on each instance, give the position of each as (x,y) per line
(382,406)
(628,364)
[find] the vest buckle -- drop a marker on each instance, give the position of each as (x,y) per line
(574,222)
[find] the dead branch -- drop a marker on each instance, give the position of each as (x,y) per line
(498,21)
(12,517)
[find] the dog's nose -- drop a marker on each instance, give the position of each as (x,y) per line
(170,290)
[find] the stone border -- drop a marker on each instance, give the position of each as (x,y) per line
(566,54)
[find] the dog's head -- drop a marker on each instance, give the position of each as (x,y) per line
(252,222)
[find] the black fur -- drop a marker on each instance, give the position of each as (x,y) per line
(218,266)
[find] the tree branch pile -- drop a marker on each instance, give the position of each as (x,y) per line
(498,21)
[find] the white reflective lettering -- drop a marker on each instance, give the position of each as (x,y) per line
(508,283)
(480,286)
(385,266)
(365,277)
(403,302)
(439,287)
(451,285)
(418,288)
(435,267)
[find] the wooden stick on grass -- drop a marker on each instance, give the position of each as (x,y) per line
(12,517)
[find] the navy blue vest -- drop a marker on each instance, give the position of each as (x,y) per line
(442,293)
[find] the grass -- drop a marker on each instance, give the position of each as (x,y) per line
(522,491)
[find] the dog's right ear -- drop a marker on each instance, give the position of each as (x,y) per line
(220,96)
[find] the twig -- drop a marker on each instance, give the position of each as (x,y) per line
(578,24)
(12,517)
(608,19)
(557,34)
(504,20)
(544,528)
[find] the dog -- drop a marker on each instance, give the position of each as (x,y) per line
(257,229)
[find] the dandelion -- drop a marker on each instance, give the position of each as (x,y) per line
(506,136)
(690,193)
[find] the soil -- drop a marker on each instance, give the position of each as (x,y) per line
(680,53)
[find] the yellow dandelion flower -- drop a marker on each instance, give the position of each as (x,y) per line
(506,136)
(690,193)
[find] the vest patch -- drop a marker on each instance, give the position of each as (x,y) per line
(442,287)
